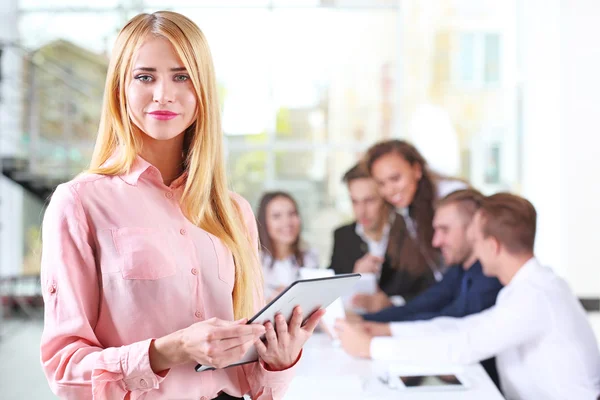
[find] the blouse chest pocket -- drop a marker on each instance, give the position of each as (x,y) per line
(144,253)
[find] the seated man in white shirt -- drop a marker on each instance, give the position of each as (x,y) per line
(538,330)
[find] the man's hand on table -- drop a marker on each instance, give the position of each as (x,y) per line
(355,339)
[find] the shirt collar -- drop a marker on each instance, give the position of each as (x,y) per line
(139,167)
(404,211)
(474,269)
(525,271)
(360,230)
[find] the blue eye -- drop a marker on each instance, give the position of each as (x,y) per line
(143,78)
(181,78)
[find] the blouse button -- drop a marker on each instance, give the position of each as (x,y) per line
(203,398)
(182,231)
(52,288)
(143,383)
(194,271)
(198,314)
(169,195)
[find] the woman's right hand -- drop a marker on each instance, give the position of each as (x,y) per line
(214,342)
(219,343)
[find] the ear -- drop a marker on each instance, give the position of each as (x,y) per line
(496,246)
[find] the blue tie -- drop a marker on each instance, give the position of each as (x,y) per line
(465,285)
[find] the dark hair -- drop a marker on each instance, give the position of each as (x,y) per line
(510,219)
(265,241)
(420,210)
(468,201)
(358,171)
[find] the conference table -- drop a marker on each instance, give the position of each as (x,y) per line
(325,371)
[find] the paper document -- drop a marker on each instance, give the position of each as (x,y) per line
(367,284)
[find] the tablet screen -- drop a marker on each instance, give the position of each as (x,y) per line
(430,380)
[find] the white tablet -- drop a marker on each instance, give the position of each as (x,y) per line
(336,309)
(309,294)
(429,382)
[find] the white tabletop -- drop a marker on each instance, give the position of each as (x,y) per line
(326,371)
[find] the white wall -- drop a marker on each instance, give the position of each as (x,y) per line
(11,195)
(580,128)
(561,143)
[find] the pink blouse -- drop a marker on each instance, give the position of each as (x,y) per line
(121,265)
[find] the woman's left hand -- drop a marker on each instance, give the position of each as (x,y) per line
(284,341)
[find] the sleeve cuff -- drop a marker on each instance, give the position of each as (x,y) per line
(135,364)
(272,378)
(397,300)
(396,328)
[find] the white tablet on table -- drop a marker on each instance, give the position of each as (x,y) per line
(444,381)
(309,294)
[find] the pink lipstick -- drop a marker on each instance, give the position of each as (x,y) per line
(163,115)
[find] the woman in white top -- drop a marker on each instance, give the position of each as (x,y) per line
(282,251)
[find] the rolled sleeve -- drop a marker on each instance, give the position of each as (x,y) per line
(129,365)
(268,385)
(278,377)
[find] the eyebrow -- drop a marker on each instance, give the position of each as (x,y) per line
(149,69)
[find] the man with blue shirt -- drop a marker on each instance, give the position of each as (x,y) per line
(464,290)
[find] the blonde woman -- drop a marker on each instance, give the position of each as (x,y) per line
(147,257)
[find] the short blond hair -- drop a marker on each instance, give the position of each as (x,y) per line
(511,219)
(468,201)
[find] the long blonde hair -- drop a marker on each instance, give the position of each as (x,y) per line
(205,201)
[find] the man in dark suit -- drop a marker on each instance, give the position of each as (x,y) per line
(362,245)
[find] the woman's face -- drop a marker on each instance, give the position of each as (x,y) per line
(160,96)
(396,179)
(283,221)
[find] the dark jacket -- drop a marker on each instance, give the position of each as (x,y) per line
(348,247)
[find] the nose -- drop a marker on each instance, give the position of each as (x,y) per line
(436,241)
(163,92)
(360,210)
